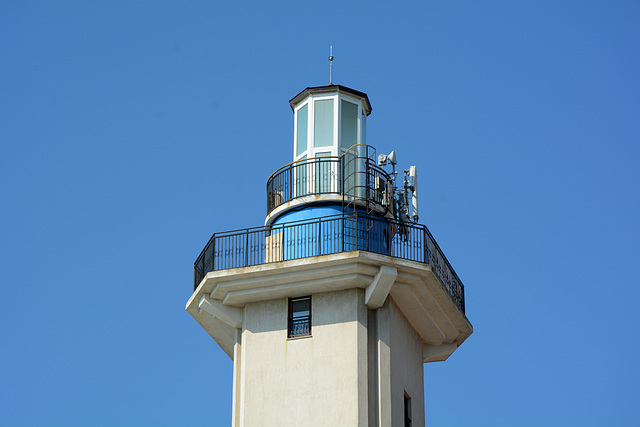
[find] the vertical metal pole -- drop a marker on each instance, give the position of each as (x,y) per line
(366,182)
(424,243)
(319,235)
(330,65)
(357,231)
(341,166)
(246,249)
(389,239)
(213,254)
(342,233)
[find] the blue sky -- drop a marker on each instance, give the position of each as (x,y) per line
(131,131)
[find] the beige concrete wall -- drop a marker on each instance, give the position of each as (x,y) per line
(395,367)
(316,381)
(359,362)
(406,368)
(273,245)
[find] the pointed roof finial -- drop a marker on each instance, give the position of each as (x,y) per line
(331,65)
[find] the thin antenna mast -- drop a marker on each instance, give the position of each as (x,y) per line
(331,65)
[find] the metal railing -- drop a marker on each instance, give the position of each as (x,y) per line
(328,235)
(353,175)
(299,327)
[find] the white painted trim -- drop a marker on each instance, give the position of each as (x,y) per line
(335,148)
(437,353)
(384,366)
(237,378)
(295,129)
(376,293)
(416,291)
(232,316)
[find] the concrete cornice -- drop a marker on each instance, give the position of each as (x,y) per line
(412,285)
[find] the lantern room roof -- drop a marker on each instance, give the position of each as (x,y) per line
(328,90)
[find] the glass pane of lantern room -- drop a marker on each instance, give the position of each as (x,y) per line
(323,123)
(301,133)
(348,124)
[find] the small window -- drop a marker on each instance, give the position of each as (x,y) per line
(299,317)
(407,410)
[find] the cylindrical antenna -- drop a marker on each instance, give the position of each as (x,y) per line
(330,65)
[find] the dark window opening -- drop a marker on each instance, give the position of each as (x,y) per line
(407,410)
(299,317)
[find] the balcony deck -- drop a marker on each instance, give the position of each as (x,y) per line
(329,235)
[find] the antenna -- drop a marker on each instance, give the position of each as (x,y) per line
(406,197)
(331,65)
(383,159)
(413,185)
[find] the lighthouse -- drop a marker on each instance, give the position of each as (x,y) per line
(330,309)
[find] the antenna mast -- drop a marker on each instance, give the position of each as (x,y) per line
(331,65)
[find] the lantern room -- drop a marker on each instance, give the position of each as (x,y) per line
(328,120)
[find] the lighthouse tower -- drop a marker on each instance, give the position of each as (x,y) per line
(330,309)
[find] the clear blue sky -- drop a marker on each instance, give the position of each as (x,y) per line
(131,131)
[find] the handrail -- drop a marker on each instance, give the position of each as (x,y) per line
(359,178)
(312,158)
(327,235)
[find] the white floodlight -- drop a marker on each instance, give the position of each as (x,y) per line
(392,158)
(383,159)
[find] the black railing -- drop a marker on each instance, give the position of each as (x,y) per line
(356,176)
(299,327)
(328,235)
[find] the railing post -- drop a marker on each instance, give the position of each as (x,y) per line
(246,248)
(357,231)
(425,255)
(390,238)
(342,181)
(213,253)
(366,180)
(195,277)
(342,232)
(319,231)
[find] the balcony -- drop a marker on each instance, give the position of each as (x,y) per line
(352,178)
(329,235)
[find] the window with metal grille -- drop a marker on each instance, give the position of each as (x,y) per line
(299,317)
(407,410)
